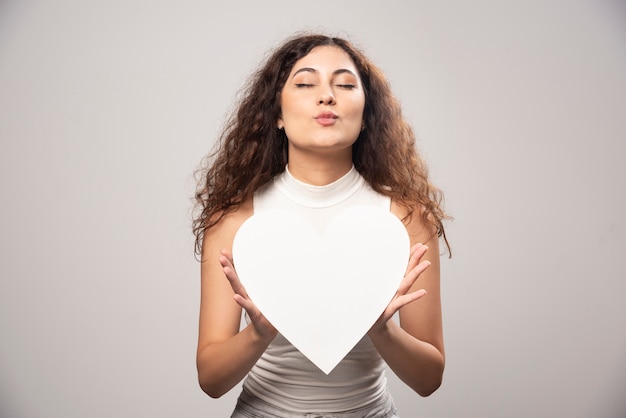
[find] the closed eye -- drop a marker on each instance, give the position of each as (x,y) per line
(303,85)
(347,86)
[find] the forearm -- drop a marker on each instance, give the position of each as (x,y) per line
(417,363)
(222,365)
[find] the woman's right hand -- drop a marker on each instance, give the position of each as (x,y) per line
(262,326)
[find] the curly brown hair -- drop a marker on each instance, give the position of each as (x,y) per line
(251,150)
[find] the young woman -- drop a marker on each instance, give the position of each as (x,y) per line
(317,130)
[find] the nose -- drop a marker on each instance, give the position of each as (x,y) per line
(326,97)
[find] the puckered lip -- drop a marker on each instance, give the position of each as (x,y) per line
(326,115)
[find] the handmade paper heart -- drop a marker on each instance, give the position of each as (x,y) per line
(322,293)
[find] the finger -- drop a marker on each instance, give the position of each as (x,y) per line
(410,297)
(416,254)
(401,301)
(235,283)
(225,261)
(260,323)
(411,277)
(248,305)
(231,275)
(227,257)
(419,246)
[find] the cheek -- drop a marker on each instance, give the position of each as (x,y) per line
(358,108)
(358,104)
(289,106)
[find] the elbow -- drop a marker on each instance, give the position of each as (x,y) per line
(431,382)
(212,390)
(429,389)
(210,384)
(209,379)
(214,395)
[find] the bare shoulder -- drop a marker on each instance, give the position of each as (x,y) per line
(418,230)
(222,234)
(234,219)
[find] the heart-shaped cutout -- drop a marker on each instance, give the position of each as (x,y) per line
(322,293)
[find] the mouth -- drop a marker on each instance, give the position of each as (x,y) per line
(326,118)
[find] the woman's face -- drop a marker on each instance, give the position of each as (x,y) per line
(322,102)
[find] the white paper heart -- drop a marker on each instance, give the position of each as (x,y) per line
(322,293)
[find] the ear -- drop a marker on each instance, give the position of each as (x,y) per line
(280,125)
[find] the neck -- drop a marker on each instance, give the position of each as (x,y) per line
(320,170)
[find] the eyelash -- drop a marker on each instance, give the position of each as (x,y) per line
(343,86)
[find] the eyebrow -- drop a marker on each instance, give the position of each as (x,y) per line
(313,70)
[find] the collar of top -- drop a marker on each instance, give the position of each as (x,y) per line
(319,196)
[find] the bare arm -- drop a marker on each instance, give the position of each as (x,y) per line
(225,355)
(414,349)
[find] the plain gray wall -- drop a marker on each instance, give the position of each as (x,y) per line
(106,109)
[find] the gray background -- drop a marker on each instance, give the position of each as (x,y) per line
(106,108)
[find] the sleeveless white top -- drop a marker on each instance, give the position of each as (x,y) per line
(284,377)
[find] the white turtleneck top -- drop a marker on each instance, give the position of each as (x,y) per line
(284,377)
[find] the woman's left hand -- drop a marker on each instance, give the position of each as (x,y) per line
(402,296)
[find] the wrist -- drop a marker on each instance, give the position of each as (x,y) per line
(261,337)
(380,330)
